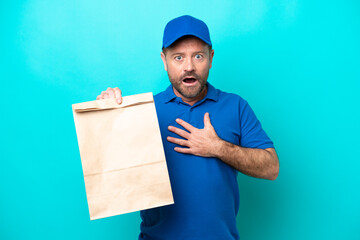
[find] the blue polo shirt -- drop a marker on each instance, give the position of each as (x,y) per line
(205,190)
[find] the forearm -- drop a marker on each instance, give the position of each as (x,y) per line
(259,163)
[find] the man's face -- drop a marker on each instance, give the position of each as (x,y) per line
(187,63)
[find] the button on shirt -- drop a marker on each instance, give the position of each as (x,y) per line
(205,190)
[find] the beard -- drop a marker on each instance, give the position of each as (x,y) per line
(189,91)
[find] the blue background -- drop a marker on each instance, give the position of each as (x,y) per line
(296,62)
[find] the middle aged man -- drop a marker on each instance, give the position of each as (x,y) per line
(203,155)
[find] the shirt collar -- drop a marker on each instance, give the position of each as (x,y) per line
(212,93)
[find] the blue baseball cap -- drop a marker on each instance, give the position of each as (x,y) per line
(183,26)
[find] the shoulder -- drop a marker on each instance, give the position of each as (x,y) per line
(229,97)
(160,97)
(232,103)
(164,96)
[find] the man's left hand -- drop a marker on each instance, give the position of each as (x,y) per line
(201,142)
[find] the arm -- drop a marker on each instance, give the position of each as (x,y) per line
(259,163)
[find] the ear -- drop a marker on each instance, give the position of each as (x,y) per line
(211,57)
(163,57)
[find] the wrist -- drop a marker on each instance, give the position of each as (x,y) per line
(218,148)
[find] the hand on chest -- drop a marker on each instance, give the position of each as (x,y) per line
(225,122)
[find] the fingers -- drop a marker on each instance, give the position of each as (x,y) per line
(104,95)
(178,141)
(118,95)
(186,125)
(179,132)
(183,150)
(111,93)
(207,122)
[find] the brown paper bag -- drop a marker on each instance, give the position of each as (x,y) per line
(122,155)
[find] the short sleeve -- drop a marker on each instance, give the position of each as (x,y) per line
(252,135)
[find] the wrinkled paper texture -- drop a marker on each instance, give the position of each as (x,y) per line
(122,155)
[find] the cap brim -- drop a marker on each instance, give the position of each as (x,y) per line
(168,44)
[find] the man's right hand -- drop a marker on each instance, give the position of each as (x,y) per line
(111,93)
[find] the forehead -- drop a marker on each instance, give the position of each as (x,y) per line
(188,43)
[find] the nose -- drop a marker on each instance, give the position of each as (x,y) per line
(189,65)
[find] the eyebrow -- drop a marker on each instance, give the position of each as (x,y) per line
(176,53)
(182,53)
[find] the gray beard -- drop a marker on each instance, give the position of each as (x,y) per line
(177,86)
(189,95)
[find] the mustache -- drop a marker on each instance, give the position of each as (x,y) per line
(193,75)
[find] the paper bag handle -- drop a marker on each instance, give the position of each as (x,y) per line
(111,103)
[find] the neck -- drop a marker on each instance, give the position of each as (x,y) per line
(193,100)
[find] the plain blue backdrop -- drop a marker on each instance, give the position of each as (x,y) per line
(296,62)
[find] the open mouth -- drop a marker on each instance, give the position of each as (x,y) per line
(189,81)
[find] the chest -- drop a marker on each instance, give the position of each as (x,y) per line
(225,119)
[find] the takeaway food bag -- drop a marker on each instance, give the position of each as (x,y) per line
(122,155)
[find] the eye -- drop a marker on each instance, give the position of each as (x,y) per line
(198,56)
(178,58)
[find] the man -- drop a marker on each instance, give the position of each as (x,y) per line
(208,136)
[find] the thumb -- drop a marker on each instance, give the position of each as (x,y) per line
(207,122)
